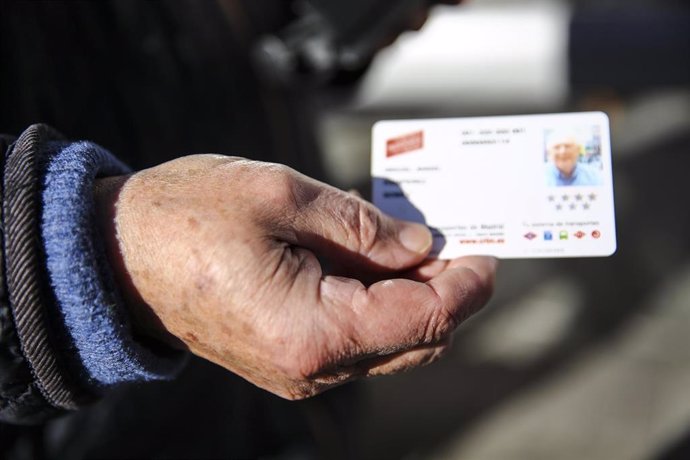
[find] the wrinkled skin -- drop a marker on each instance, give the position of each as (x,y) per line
(226,257)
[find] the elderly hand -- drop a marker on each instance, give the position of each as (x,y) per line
(225,257)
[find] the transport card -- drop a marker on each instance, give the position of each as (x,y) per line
(511,186)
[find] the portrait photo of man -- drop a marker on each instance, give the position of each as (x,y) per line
(571,160)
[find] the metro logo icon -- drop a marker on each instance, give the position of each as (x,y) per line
(404,144)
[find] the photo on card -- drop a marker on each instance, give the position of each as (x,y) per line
(572,156)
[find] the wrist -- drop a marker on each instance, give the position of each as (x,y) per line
(145,322)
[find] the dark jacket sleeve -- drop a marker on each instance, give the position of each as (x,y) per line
(34,384)
(65,333)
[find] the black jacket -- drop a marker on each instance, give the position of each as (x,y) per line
(33,382)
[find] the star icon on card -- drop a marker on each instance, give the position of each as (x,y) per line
(559,207)
(572,206)
(565,197)
(585,206)
(578,197)
(550,198)
(592,196)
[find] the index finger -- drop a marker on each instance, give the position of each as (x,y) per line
(432,267)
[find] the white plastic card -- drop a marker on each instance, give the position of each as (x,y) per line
(511,186)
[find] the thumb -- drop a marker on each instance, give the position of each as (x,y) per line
(348,230)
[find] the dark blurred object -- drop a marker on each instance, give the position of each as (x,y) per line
(630,49)
(151,81)
(329,37)
(678,451)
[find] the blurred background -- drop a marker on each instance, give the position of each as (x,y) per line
(572,359)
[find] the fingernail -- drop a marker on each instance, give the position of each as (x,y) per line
(415,237)
(484,266)
(493,262)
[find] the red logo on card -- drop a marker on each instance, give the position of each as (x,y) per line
(580,234)
(404,144)
(596,234)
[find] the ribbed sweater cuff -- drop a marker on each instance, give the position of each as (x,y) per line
(92,310)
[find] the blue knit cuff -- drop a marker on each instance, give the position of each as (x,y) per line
(88,301)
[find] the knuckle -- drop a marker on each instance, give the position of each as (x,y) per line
(369,226)
(441,322)
(276,187)
(361,222)
(281,186)
(270,184)
(440,325)
(473,293)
